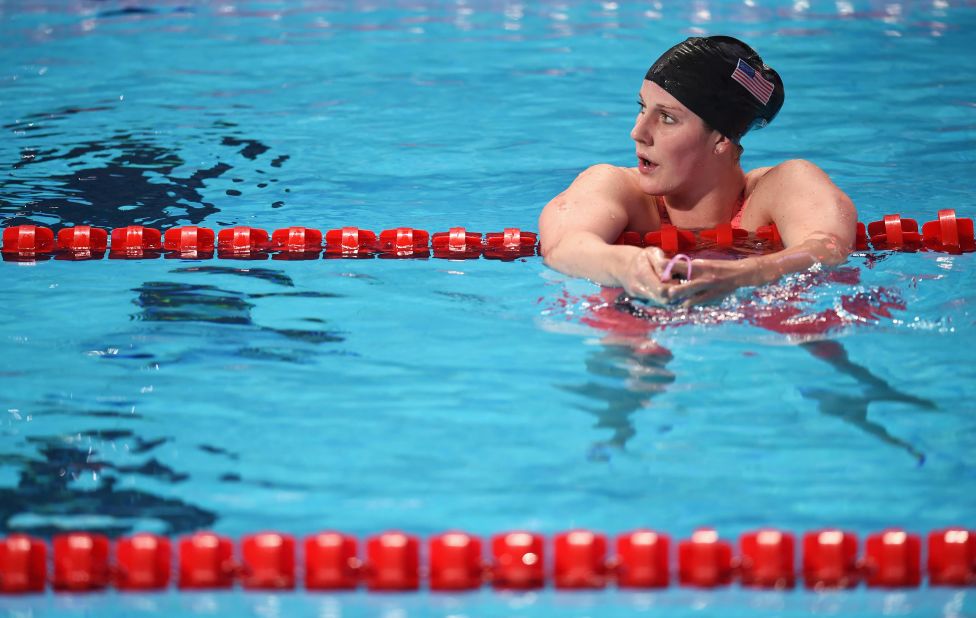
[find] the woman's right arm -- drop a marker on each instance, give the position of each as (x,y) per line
(579,226)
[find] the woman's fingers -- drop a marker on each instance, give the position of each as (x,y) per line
(645,280)
(699,292)
(669,268)
(656,276)
(689,289)
(658,260)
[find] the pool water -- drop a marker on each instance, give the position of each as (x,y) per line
(174,395)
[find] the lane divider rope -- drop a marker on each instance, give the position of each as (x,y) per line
(947,233)
(455,561)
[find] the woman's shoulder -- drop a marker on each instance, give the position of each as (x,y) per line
(604,184)
(794,186)
(789,171)
(606,192)
(608,175)
(762,186)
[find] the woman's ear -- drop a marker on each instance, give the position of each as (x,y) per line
(723,144)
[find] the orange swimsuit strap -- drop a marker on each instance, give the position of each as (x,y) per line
(736,217)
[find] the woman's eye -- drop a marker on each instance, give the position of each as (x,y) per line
(642,107)
(667,118)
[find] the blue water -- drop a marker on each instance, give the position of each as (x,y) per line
(175,395)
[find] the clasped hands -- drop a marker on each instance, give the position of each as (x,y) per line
(653,275)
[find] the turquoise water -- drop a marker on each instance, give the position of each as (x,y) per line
(174,395)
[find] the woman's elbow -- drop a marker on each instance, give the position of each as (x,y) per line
(550,252)
(832,249)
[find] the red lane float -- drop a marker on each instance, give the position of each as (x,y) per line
(770,234)
(830,559)
(268,561)
(23,564)
(80,561)
(331,562)
(457,243)
(704,560)
(206,561)
(455,562)
(189,241)
(948,234)
(643,560)
(724,235)
(893,560)
(296,242)
(631,238)
(28,240)
(242,242)
(83,239)
(952,557)
(671,239)
(895,233)
(766,559)
(143,562)
(510,244)
(349,242)
(518,561)
(393,562)
(404,242)
(861,237)
(135,242)
(580,560)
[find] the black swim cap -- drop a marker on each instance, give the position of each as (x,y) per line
(723,80)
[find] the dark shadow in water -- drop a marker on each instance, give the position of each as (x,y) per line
(625,379)
(216,450)
(126,12)
(124,178)
(44,492)
(308,294)
(628,369)
(139,11)
(134,184)
(854,408)
(44,496)
(108,414)
(166,301)
(265,274)
(233,477)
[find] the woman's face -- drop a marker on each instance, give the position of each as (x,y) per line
(673,144)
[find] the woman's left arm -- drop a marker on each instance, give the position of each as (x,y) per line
(816,220)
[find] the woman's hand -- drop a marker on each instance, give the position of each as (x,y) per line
(713,279)
(642,276)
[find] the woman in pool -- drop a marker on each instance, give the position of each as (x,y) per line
(696,103)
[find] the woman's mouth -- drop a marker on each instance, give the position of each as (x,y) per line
(645,165)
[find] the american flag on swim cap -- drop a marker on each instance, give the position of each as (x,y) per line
(757,85)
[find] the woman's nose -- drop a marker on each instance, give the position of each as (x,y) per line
(642,130)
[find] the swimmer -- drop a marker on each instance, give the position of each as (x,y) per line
(697,101)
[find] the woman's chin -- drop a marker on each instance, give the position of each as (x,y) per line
(649,186)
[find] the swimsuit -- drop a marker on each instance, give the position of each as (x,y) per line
(736,216)
(662,212)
